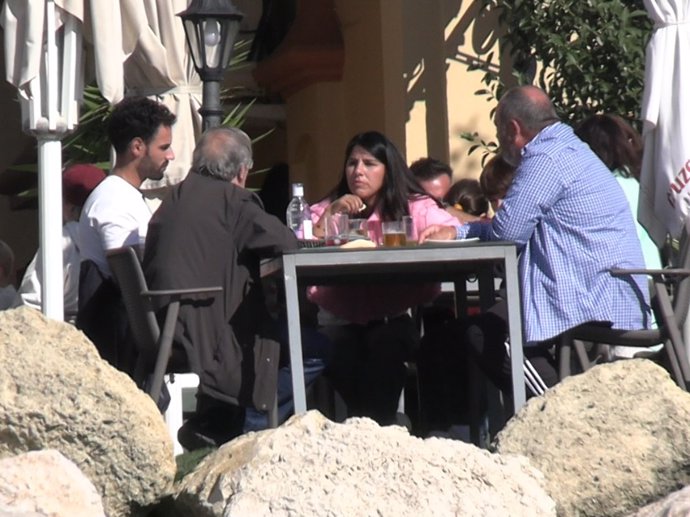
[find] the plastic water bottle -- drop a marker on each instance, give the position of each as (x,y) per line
(298,215)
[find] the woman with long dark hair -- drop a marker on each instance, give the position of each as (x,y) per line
(369,325)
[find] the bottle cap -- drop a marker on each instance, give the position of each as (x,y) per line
(297,190)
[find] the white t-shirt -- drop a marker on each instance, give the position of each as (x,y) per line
(30,289)
(114,215)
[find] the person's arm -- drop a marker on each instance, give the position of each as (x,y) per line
(262,232)
(347,204)
(535,188)
(481,229)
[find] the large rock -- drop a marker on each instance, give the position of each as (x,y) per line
(45,483)
(314,467)
(676,504)
(608,441)
(56,393)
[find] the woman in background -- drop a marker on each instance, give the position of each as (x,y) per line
(495,180)
(78,181)
(466,197)
(619,146)
(370,326)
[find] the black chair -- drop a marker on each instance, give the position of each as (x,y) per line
(153,346)
(671,295)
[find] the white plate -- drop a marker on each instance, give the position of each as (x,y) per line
(450,242)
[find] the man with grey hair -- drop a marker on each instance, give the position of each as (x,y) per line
(210,231)
(571,223)
(225,154)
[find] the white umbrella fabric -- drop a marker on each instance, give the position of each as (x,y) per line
(144,44)
(43,61)
(139,49)
(665,176)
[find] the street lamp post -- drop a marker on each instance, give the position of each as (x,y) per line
(211,27)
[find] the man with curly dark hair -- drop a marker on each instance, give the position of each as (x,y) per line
(116,215)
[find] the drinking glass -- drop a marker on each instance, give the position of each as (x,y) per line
(337,228)
(410,230)
(394,233)
(374,232)
(358,229)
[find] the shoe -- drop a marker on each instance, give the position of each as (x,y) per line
(192,436)
(210,429)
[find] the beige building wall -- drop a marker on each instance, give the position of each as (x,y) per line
(316,136)
(405,73)
(424,75)
(370,96)
(443,39)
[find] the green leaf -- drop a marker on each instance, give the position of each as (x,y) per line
(591,53)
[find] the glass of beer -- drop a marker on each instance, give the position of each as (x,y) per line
(394,233)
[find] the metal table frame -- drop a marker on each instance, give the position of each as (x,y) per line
(429,262)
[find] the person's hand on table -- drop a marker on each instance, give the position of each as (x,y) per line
(437,232)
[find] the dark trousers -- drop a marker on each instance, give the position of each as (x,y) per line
(443,366)
(368,365)
(485,336)
(316,354)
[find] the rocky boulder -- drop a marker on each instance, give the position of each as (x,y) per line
(676,504)
(311,466)
(57,393)
(608,441)
(45,483)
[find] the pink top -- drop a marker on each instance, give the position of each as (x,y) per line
(362,303)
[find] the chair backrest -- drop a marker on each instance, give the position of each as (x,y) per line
(126,268)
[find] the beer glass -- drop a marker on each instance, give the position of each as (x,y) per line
(394,233)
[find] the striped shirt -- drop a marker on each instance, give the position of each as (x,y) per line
(572,223)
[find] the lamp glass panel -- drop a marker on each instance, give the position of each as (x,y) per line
(193,42)
(212,42)
(230,29)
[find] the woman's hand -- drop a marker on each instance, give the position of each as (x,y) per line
(438,232)
(347,204)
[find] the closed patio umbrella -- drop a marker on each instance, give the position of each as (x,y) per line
(43,61)
(665,176)
(144,49)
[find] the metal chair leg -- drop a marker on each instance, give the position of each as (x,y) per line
(273,414)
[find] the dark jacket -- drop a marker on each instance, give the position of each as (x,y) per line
(209,232)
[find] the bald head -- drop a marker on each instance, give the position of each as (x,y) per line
(223,153)
(522,112)
(529,106)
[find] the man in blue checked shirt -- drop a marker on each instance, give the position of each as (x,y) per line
(572,224)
